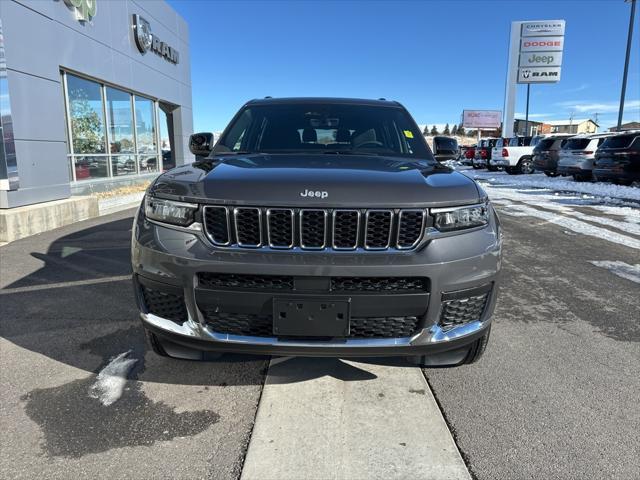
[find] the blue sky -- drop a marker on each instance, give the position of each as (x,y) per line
(436,57)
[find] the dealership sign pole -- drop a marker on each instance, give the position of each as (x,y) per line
(535,56)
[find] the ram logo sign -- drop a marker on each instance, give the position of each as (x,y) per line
(146,40)
(539,75)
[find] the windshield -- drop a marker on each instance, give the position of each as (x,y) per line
(324,128)
(546,144)
(519,141)
(619,141)
(576,144)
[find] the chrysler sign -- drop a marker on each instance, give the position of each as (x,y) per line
(536,29)
(145,40)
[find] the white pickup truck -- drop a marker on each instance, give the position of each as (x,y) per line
(515,154)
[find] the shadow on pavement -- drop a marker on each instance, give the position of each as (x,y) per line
(80,305)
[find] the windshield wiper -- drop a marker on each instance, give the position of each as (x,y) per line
(348,152)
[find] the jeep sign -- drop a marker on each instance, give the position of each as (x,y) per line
(541,59)
(539,75)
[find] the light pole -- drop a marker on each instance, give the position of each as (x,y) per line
(626,62)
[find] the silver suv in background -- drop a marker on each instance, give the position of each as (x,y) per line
(577,156)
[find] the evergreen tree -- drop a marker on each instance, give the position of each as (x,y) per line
(454,130)
(461,131)
(425,132)
(446,130)
(434,131)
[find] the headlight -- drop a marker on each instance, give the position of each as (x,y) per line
(460,218)
(168,211)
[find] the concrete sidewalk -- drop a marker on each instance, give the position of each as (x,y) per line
(331,418)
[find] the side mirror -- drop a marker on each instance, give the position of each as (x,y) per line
(445,148)
(201,144)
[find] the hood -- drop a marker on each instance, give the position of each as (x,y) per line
(317,180)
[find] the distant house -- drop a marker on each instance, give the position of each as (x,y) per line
(575,125)
(521,129)
(627,126)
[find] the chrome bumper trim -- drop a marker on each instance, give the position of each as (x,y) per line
(427,336)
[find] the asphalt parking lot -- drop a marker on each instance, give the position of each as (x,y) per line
(555,396)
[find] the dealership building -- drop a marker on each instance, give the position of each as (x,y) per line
(95,95)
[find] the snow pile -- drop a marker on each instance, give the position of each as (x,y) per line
(606,190)
(622,269)
(112,379)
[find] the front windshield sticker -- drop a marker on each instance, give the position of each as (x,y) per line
(408,133)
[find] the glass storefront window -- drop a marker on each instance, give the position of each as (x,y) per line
(166,151)
(145,125)
(148,163)
(112,132)
(120,117)
(123,165)
(88,167)
(86,115)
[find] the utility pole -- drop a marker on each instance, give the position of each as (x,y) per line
(526,115)
(626,63)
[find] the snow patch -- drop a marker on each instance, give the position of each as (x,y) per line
(572,224)
(621,269)
(607,191)
(111,380)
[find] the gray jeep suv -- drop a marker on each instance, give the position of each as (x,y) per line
(317,227)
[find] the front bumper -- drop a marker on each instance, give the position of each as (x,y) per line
(171,260)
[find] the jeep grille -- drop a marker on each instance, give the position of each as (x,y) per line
(314,229)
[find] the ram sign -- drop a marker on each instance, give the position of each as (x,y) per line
(479,119)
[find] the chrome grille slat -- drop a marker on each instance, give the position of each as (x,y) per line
(345,230)
(285,228)
(279,227)
(410,228)
(248,230)
(309,227)
(217,225)
(378,228)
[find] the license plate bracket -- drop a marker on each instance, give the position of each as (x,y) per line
(311,317)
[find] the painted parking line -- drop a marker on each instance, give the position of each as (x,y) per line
(337,419)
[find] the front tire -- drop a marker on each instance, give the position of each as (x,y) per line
(492,168)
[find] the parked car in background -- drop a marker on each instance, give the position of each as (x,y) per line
(578,154)
(546,153)
(483,153)
(618,159)
(468,152)
(515,154)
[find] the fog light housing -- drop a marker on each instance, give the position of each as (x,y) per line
(463,306)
